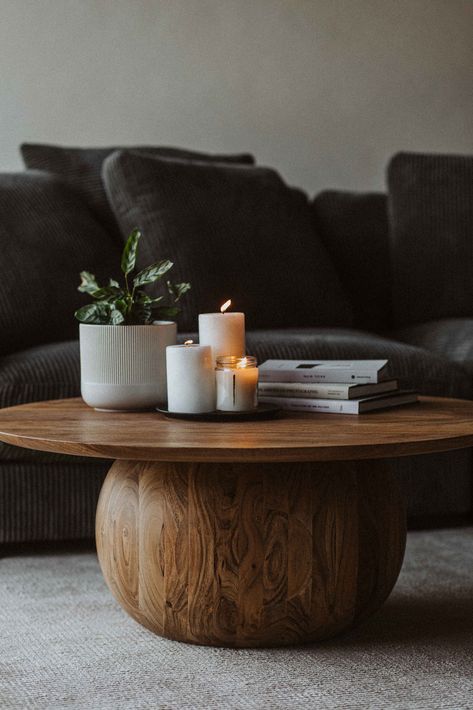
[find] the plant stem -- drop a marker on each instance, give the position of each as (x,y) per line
(129,297)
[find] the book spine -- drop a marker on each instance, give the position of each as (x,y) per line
(333,376)
(296,404)
(295,389)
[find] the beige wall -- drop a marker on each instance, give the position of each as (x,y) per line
(325,90)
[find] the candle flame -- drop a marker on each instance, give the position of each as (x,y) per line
(243,362)
(226,305)
(188,342)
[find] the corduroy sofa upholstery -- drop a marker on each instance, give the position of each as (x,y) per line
(52,497)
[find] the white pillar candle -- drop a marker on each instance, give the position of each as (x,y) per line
(190,378)
(237,380)
(224,332)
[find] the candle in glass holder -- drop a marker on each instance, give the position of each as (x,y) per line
(237,381)
(224,332)
(190,378)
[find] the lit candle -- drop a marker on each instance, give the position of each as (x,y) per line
(190,378)
(237,380)
(224,332)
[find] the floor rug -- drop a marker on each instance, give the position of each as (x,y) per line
(65,643)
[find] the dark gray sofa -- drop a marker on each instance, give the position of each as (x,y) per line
(53,497)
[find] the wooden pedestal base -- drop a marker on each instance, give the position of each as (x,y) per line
(250,554)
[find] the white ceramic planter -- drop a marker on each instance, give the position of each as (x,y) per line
(124,366)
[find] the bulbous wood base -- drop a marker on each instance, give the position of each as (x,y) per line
(250,554)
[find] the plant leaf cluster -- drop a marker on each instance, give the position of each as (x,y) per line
(128,303)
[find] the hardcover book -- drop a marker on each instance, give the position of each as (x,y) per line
(350,406)
(325,390)
(340,371)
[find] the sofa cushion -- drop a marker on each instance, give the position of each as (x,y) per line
(431,210)
(53,500)
(233,232)
(354,229)
(414,367)
(47,236)
(45,372)
(450,338)
(436,484)
(50,496)
(81,168)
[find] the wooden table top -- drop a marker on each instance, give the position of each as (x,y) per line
(69,426)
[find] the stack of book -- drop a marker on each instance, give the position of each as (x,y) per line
(333,386)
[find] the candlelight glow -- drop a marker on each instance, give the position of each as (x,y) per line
(243,362)
(226,305)
(188,342)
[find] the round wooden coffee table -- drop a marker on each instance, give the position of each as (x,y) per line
(205,534)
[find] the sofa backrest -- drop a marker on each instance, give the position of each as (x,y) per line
(355,232)
(47,236)
(431,225)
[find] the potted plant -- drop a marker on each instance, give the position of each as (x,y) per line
(124,333)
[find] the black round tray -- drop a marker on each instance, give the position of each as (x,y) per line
(263,411)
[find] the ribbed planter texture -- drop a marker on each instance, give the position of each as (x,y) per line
(124,366)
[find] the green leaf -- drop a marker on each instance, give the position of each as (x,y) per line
(100,313)
(106,293)
(178,290)
(88,282)
(141,313)
(143,297)
(112,282)
(129,252)
(152,273)
(121,305)
(94,313)
(165,312)
(116,317)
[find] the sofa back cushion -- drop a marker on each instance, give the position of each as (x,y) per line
(81,169)
(47,236)
(234,232)
(431,212)
(354,229)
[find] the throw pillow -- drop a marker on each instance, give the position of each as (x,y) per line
(81,167)
(233,232)
(47,236)
(431,211)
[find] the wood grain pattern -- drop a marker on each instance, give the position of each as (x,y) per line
(69,426)
(247,554)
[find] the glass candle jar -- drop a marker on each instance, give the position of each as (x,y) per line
(237,381)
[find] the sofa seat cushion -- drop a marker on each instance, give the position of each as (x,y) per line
(234,232)
(50,496)
(49,500)
(80,169)
(437,485)
(46,372)
(450,338)
(416,368)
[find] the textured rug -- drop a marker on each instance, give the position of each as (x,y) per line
(65,643)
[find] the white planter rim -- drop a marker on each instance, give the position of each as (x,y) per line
(121,327)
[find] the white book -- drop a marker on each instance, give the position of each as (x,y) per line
(334,406)
(344,371)
(325,390)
